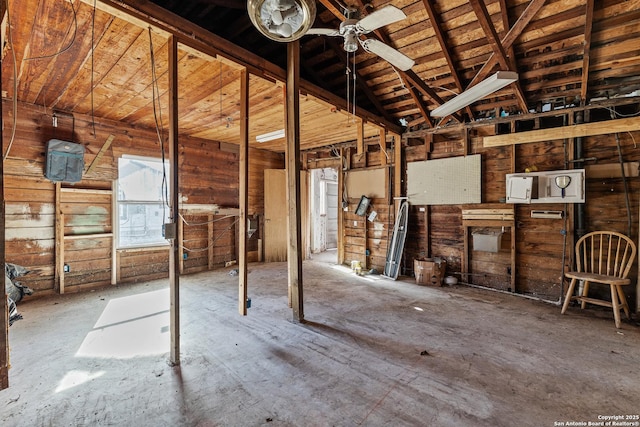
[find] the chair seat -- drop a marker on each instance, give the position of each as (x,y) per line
(598,278)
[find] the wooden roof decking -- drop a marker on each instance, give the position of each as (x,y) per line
(565,51)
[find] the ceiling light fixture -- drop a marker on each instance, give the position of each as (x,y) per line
(277,134)
(479,91)
(282,20)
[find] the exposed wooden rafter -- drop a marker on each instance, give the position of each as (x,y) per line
(508,40)
(484,20)
(436,24)
(587,51)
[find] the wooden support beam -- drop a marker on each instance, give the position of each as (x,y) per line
(484,19)
(507,41)
(397,170)
(292,154)
(115,265)
(59,240)
(341,173)
(244,193)
(181,244)
(360,137)
(588,24)
(174,253)
(4,311)
(384,159)
(210,246)
(571,131)
(98,156)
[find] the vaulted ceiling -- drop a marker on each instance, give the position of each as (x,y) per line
(566,52)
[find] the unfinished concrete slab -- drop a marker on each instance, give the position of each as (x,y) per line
(373,352)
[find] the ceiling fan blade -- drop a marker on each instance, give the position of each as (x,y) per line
(323,32)
(389,54)
(381,17)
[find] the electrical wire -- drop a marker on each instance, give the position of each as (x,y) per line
(213,241)
(71,42)
(157,116)
(188,224)
(93,48)
(15,87)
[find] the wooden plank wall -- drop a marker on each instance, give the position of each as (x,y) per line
(540,243)
(209,175)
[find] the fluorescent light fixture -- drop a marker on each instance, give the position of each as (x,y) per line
(277,134)
(479,91)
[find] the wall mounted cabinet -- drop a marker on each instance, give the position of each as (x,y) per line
(545,187)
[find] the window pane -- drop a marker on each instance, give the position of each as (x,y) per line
(141,223)
(141,208)
(140,180)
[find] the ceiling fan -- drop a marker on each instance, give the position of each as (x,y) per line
(352,28)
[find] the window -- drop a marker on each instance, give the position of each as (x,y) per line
(142,205)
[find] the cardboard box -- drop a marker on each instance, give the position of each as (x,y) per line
(429,271)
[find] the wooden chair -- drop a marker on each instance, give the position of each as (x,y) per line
(602,257)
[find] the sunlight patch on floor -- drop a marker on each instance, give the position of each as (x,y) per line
(75,378)
(132,326)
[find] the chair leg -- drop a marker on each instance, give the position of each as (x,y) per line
(585,293)
(567,297)
(616,306)
(623,300)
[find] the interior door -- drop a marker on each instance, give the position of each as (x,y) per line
(275,215)
(331,231)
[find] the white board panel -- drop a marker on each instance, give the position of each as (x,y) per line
(451,181)
(368,182)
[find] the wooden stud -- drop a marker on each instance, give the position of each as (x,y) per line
(115,265)
(360,137)
(341,209)
(174,261)
(292,154)
(181,244)
(59,243)
(244,192)
(4,319)
(384,159)
(210,245)
(397,170)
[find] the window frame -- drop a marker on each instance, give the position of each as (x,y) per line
(118,203)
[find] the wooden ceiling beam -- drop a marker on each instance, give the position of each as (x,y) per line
(437,28)
(145,13)
(484,19)
(588,25)
(509,38)
(410,78)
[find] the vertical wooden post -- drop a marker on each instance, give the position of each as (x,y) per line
(244,192)
(4,318)
(292,112)
(360,137)
(383,147)
(181,244)
(59,241)
(174,253)
(341,209)
(397,169)
(210,238)
(114,232)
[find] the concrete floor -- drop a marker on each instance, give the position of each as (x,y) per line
(374,352)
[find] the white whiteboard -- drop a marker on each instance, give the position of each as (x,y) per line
(451,181)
